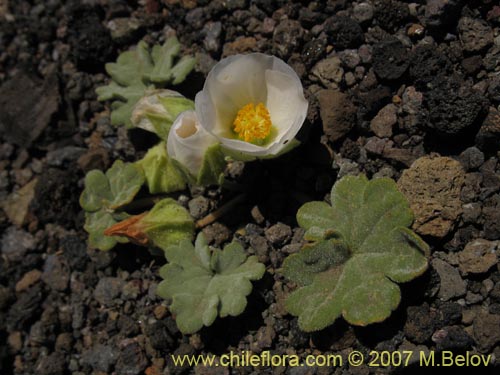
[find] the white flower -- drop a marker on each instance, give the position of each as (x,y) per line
(253,104)
(188,141)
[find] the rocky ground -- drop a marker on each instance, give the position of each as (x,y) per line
(404,89)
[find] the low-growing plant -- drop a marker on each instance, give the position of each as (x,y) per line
(204,283)
(361,246)
(251,107)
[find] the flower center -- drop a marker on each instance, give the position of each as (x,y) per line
(252,123)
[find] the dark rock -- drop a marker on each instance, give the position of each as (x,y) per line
(279,234)
(64,342)
(488,137)
(350,150)
(28,104)
(329,71)
(471,188)
(128,327)
(196,18)
(450,313)
(426,63)
(100,357)
(491,217)
(452,107)
(5,296)
(420,323)
(495,292)
(313,51)
(212,32)
(490,61)
(261,247)
(494,88)
(64,156)
(363,12)
(16,243)
(471,158)
(107,289)
(452,338)
(132,360)
(56,272)
(390,59)
(452,285)
(75,252)
(287,38)
(391,14)
(217,233)
(343,32)
(199,206)
(53,364)
(478,256)
(162,334)
(486,332)
(25,309)
(441,12)
(125,29)
(372,101)
(475,34)
(91,43)
(384,121)
(472,65)
(56,197)
(471,212)
(338,114)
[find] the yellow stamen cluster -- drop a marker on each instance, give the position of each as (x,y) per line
(252,123)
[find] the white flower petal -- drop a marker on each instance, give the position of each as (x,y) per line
(188,141)
(254,78)
(287,105)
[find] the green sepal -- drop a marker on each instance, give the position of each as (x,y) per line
(167,224)
(212,167)
(203,284)
(162,175)
(211,171)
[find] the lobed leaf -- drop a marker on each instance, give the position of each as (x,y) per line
(362,248)
(204,284)
(96,223)
(140,70)
(104,193)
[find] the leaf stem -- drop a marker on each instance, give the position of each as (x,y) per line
(221,211)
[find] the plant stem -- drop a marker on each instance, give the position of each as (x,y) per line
(226,207)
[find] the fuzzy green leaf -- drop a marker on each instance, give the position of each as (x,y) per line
(138,71)
(167,224)
(103,194)
(363,247)
(96,223)
(162,176)
(204,284)
(112,190)
(131,66)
